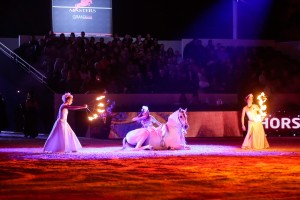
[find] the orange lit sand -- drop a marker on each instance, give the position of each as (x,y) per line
(214,168)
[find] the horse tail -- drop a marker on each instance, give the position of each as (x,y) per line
(124,143)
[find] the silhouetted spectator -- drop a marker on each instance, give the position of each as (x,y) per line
(3,114)
(30,116)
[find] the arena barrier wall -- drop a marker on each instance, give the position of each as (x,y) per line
(203,123)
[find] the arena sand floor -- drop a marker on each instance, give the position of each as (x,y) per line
(214,168)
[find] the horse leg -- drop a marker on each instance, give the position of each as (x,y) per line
(147,147)
(141,141)
(180,147)
(143,137)
(124,142)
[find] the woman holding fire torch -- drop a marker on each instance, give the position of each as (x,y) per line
(256,137)
(62,138)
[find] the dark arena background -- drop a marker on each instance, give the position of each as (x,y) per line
(204,56)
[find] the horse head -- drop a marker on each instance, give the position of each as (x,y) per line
(182,117)
(172,134)
(179,119)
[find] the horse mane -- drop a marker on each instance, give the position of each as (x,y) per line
(173,116)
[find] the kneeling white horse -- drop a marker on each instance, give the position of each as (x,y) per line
(170,135)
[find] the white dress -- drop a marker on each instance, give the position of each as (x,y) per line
(256,137)
(62,138)
(140,135)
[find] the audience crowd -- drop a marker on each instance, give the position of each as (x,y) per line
(80,64)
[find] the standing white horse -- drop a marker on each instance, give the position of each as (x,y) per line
(170,135)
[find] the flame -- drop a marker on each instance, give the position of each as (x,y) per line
(100,98)
(261,101)
(99,109)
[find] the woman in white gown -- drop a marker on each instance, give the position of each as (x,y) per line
(256,137)
(62,138)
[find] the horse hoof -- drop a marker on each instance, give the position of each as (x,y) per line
(187,148)
(149,148)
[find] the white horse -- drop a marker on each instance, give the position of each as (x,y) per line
(170,135)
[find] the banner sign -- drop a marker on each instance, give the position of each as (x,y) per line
(94,17)
(282,122)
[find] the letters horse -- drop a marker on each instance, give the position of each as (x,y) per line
(170,135)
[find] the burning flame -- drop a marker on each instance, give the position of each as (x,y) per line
(100,98)
(100,109)
(261,100)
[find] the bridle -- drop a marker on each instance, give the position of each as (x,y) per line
(183,126)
